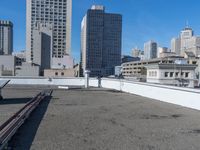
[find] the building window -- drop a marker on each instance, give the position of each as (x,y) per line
(171,74)
(150,73)
(56,73)
(176,74)
(182,73)
(166,74)
(62,74)
(187,74)
(155,73)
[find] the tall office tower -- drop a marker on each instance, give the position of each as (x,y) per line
(176,45)
(150,50)
(42,45)
(6,37)
(186,35)
(101,35)
(58,14)
(186,43)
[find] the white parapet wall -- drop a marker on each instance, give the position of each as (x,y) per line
(93,82)
(45,81)
(176,95)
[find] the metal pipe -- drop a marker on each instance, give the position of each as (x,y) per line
(10,127)
(87,72)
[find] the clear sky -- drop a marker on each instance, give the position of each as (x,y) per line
(143,20)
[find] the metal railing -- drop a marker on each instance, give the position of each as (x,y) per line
(10,127)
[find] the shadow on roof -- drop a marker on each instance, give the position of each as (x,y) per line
(24,137)
(8,101)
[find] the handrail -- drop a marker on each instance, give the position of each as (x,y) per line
(10,127)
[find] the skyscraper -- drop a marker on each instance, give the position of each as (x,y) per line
(187,42)
(101,34)
(56,13)
(150,50)
(6,37)
(176,45)
(186,35)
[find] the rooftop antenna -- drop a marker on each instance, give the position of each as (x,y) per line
(187,24)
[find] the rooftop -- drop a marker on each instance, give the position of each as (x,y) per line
(99,119)
(97,7)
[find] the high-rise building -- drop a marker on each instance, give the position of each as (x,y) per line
(176,45)
(42,45)
(55,12)
(150,50)
(187,42)
(6,37)
(186,35)
(101,34)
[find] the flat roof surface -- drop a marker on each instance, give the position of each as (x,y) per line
(101,119)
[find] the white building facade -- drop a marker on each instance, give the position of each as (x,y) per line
(172,74)
(186,42)
(150,50)
(176,45)
(55,12)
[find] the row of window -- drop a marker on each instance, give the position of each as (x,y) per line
(62,73)
(60,2)
(177,74)
(170,74)
(50,11)
(50,20)
(152,73)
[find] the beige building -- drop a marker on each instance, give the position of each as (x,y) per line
(176,45)
(61,73)
(167,54)
(137,68)
(70,72)
(161,50)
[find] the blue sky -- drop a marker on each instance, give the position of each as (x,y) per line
(143,20)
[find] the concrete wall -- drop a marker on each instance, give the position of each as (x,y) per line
(176,95)
(45,81)
(8,63)
(60,72)
(27,69)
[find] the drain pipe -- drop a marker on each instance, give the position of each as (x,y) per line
(87,73)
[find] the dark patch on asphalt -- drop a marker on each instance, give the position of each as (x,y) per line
(195,131)
(174,116)
(71,104)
